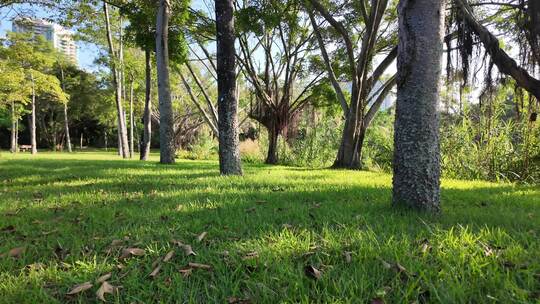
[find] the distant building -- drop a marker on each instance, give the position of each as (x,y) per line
(61,38)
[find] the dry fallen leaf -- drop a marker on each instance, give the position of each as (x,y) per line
(128,252)
(80,288)
(115,243)
(312,272)
(348,257)
(186,272)
(188,250)
(235,300)
(104,289)
(250,210)
(201,236)
(104,278)
(168,256)
(35,266)
(8,229)
(155,272)
(15,252)
(200,266)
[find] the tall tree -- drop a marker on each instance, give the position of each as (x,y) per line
(166,118)
(416,165)
(229,152)
(372,23)
(117,83)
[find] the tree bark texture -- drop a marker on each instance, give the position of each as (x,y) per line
(166,119)
(416,181)
(33,136)
(229,152)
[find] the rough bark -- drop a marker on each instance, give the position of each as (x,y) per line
(229,152)
(166,119)
(33,139)
(122,129)
(416,181)
(147,116)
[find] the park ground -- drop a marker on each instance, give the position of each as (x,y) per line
(278,234)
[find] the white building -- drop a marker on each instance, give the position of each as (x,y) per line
(61,38)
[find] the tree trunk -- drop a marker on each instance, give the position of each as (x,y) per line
(122,130)
(166,119)
(147,116)
(131,122)
(106,142)
(229,152)
(416,182)
(66,121)
(272,155)
(13,148)
(33,140)
(347,157)
(81,142)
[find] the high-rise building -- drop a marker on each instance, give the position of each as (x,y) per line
(61,38)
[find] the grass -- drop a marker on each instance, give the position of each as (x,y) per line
(263,229)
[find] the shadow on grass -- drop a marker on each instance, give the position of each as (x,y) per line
(82,205)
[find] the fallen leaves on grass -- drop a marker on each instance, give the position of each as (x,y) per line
(8,229)
(155,272)
(376,301)
(200,266)
(235,300)
(14,253)
(129,252)
(188,250)
(105,288)
(104,278)
(186,272)
(35,266)
(312,272)
(79,288)
(347,256)
(201,236)
(168,256)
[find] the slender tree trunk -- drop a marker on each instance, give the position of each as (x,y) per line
(416,139)
(66,121)
(33,140)
(166,119)
(272,155)
(106,142)
(13,129)
(147,116)
(229,152)
(117,83)
(119,141)
(81,142)
(131,122)
(17,135)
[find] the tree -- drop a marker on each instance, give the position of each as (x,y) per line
(115,61)
(280,75)
(416,165)
(229,153)
(373,26)
(35,56)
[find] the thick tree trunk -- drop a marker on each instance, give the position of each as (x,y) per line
(416,139)
(131,122)
(122,129)
(229,152)
(166,119)
(147,116)
(272,155)
(347,157)
(33,139)
(13,148)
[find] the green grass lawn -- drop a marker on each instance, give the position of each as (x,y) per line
(73,216)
